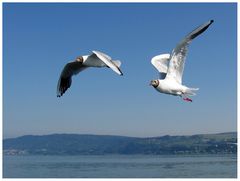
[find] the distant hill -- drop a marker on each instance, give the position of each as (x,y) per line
(78,144)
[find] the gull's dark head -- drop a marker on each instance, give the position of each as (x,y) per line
(154,83)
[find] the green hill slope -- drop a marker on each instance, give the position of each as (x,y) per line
(77,144)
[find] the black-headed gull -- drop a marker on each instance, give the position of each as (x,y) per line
(96,59)
(171,67)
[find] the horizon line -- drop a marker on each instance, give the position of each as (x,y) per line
(92,134)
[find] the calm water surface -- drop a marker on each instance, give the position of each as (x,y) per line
(120,166)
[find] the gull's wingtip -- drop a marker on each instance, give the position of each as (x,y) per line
(199,30)
(121,74)
(211,21)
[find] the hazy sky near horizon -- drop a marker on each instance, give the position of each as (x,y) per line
(40,38)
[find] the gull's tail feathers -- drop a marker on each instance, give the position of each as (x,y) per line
(191,91)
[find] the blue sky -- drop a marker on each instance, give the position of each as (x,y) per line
(39,39)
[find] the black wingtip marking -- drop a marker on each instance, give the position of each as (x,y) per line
(65,83)
(201,30)
(120,71)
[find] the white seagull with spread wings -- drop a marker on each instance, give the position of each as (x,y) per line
(96,59)
(171,67)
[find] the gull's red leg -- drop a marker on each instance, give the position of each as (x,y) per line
(187,99)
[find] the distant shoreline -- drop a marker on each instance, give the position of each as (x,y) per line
(82,144)
(92,134)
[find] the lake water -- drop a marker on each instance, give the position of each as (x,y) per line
(121,166)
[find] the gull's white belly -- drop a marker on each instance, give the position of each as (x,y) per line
(170,87)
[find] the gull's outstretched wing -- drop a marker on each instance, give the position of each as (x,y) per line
(108,61)
(161,62)
(178,56)
(65,79)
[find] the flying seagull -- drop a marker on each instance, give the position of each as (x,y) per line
(171,67)
(96,59)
